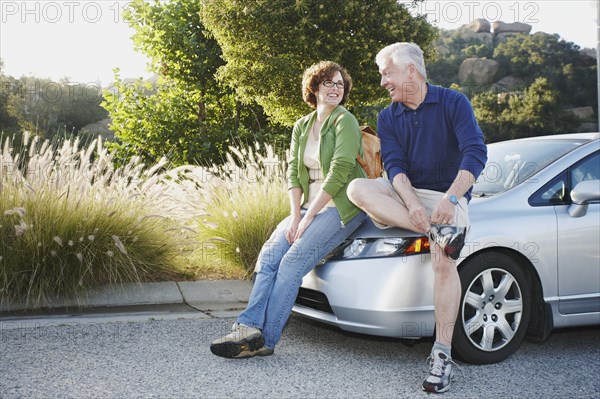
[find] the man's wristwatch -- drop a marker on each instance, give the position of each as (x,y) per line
(452,198)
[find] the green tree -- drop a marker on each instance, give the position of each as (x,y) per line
(488,107)
(452,49)
(8,123)
(185,114)
(268,43)
(34,103)
(540,111)
(535,112)
(159,119)
(47,108)
(566,69)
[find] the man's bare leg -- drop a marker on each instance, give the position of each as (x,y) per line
(374,198)
(447,291)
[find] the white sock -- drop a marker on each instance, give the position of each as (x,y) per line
(447,350)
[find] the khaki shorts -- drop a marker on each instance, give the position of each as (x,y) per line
(429,199)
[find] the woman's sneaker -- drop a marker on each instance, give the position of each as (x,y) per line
(239,343)
(264,351)
(440,372)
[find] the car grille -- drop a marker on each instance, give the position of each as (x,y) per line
(314,300)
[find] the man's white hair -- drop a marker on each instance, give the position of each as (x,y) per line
(403,54)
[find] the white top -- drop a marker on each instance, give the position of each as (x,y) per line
(315,173)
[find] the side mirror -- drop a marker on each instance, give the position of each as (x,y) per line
(584,193)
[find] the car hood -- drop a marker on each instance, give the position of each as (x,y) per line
(369,230)
(480,209)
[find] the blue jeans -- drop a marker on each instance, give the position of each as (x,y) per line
(282,267)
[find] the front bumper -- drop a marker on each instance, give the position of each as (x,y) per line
(391,297)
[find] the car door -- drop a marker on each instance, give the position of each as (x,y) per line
(579,245)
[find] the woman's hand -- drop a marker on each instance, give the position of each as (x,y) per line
(304,223)
(290,234)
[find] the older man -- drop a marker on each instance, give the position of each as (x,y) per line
(433,150)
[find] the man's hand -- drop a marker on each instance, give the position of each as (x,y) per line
(418,217)
(443,212)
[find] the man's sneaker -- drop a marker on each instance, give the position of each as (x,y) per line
(241,339)
(440,372)
(450,238)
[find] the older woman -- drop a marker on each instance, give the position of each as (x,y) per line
(324,147)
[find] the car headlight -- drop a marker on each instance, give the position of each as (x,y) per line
(380,247)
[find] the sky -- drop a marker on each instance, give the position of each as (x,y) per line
(84,40)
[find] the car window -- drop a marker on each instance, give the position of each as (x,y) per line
(553,193)
(512,162)
(556,192)
(588,169)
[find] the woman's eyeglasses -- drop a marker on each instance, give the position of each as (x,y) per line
(329,83)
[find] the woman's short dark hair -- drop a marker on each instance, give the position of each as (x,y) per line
(318,73)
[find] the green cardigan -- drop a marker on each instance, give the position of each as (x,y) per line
(339,145)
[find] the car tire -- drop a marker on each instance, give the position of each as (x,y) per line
(494,308)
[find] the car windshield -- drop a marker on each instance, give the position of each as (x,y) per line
(512,162)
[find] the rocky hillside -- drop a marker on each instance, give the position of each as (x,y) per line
(506,58)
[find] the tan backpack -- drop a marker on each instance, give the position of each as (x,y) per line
(371,163)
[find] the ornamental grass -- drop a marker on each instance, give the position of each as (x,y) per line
(243,199)
(70,220)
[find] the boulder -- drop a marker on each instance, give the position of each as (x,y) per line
(509,83)
(515,27)
(442,51)
(483,37)
(502,37)
(478,25)
(478,70)
(581,112)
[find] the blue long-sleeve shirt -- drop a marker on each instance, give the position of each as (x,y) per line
(433,142)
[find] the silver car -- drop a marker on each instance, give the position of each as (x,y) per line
(531,262)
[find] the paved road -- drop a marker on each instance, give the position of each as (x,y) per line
(165,354)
